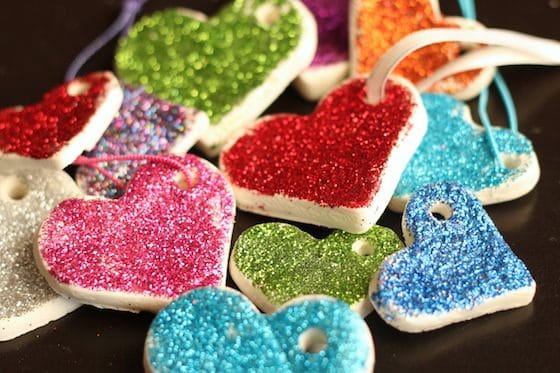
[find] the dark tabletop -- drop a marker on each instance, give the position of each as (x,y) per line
(39,38)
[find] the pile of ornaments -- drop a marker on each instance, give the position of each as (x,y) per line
(146,227)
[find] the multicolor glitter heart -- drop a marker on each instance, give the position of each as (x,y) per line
(69,119)
(455,268)
(378,25)
(337,167)
(232,66)
(166,235)
(145,125)
(26,198)
(456,149)
(274,263)
(214,329)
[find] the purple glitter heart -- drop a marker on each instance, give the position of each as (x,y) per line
(332,27)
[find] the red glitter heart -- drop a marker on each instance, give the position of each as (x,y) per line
(163,237)
(378,25)
(338,157)
(44,129)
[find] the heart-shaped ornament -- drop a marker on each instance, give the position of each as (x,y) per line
(169,233)
(232,66)
(212,329)
(330,64)
(337,167)
(145,124)
(26,198)
(456,149)
(274,263)
(377,25)
(456,267)
(54,132)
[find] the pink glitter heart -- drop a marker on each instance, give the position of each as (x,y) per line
(159,240)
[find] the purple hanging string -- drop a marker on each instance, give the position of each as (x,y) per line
(123,22)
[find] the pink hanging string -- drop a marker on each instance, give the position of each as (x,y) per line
(94,163)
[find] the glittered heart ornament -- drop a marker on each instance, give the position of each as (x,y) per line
(212,329)
(330,64)
(456,149)
(377,25)
(145,124)
(26,198)
(274,263)
(54,132)
(456,267)
(232,65)
(337,167)
(169,233)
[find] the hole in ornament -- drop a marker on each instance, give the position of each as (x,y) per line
(14,188)
(17,108)
(441,211)
(363,248)
(511,161)
(313,340)
(181,181)
(186,179)
(77,88)
(267,14)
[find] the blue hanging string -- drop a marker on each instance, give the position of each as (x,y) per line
(468,8)
(129,10)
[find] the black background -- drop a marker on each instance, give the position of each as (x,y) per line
(38,40)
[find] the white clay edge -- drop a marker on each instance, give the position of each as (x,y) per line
(316,81)
(185,142)
(51,310)
(425,322)
(119,300)
(86,139)
(353,220)
(362,307)
(370,362)
(514,187)
(260,98)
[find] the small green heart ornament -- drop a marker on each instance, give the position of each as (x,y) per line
(273,263)
(232,65)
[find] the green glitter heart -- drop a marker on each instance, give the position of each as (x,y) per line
(209,65)
(284,262)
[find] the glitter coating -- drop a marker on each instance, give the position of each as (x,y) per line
(213,329)
(453,264)
(157,239)
(454,150)
(22,288)
(332,28)
(145,124)
(209,65)
(284,262)
(382,23)
(335,157)
(40,130)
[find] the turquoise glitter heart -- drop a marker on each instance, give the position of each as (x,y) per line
(281,262)
(231,66)
(212,329)
(454,269)
(455,149)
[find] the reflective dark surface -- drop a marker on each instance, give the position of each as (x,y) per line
(38,40)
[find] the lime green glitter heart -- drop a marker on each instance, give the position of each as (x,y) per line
(209,65)
(284,262)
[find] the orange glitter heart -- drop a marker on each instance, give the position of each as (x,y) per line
(379,24)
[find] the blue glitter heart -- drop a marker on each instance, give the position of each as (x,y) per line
(211,329)
(455,149)
(458,267)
